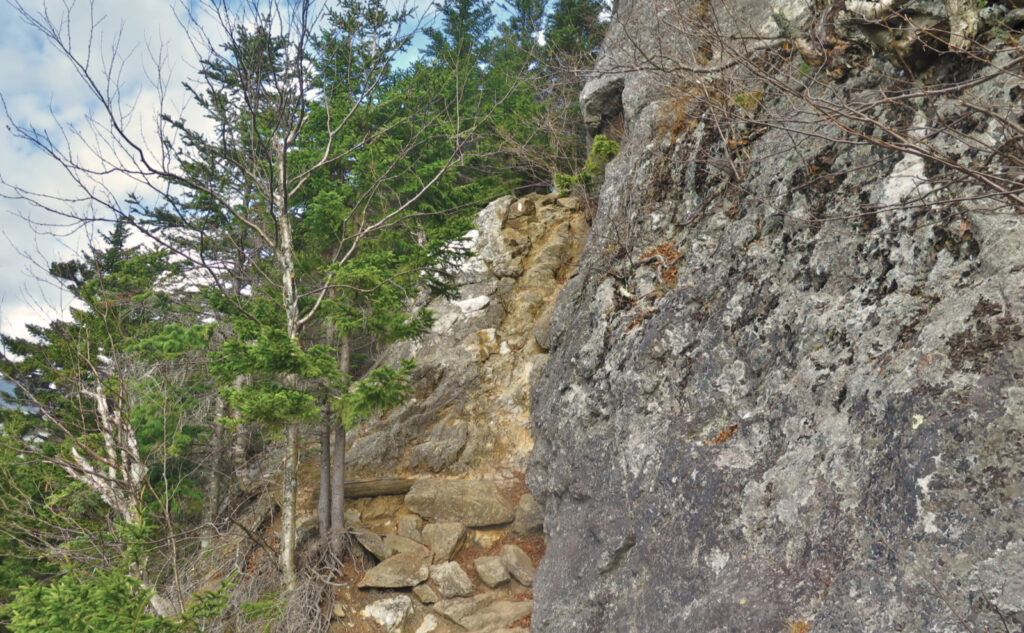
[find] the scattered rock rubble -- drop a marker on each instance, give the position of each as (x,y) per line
(434,573)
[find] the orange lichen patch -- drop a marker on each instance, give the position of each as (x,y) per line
(800,626)
(723,435)
(665,259)
(667,251)
(640,318)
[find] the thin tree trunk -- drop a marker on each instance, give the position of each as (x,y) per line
(324,502)
(323,506)
(239,445)
(338,491)
(239,451)
(211,498)
(289,488)
(338,466)
(286,258)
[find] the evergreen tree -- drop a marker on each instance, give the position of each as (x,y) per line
(318,185)
(525,21)
(94,429)
(465,28)
(574,28)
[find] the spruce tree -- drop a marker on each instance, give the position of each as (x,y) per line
(99,437)
(465,28)
(575,28)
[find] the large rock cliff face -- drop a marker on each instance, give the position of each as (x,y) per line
(785,387)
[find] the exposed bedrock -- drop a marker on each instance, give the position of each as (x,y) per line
(784,391)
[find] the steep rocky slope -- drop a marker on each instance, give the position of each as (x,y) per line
(784,391)
(471,411)
(465,540)
(449,540)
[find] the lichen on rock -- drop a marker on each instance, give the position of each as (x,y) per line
(818,421)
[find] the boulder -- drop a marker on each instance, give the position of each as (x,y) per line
(491,571)
(435,456)
(428,625)
(492,248)
(451,580)
(368,450)
(458,609)
(425,594)
(472,503)
(389,613)
(372,542)
(403,545)
(518,564)
(409,527)
(401,570)
(443,539)
(522,208)
(442,448)
(496,615)
(529,516)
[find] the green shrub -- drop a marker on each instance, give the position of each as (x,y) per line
(603,150)
(101,602)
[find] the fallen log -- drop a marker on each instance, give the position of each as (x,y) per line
(358,488)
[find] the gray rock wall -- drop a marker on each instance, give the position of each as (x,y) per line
(789,398)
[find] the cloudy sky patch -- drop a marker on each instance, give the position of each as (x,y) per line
(43,90)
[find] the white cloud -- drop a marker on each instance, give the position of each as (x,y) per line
(40,89)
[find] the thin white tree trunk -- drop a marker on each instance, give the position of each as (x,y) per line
(121,487)
(286,259)
(289,487)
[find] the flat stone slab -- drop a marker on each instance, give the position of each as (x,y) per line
(425,594)
(451,580)
(491,571)
(518,563)
(443,539)
(497,615)
(458,609)
(471,503)
(401,570)
(373,543)
(403,545)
